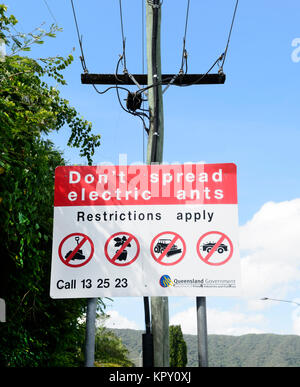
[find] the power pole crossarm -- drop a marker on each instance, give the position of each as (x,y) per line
(180,80)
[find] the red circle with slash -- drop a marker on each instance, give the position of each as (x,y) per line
(67,260)
(165,251)
(113,257)
(215,249)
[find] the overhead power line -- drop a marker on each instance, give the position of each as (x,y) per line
(49,10)
(184,52)
(141,115)
(181,79)
(82,59)
(229,35)
(122,32)
(275,299)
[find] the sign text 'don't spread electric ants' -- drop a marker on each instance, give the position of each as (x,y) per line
(120,230)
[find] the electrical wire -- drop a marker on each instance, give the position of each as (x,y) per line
(123,36)
(229,35)
(49,10)
(82,59)
(109,88)
(117,87)
(141,115)
(172,79)
(184,55)
(156,4)
(221,59)
(125,71)
(204,75)
(184,51)
(275,299)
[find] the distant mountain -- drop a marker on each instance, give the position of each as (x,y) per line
(253,350)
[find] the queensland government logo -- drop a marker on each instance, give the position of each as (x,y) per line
(165,281)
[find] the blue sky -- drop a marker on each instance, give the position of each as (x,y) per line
(252,120)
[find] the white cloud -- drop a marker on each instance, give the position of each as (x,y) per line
(115,320)
(219,322)
(270,242)
(187,320)
(296,317)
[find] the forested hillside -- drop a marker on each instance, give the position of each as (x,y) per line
(253,350)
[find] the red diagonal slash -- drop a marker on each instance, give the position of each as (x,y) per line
(116,256)
(168,248)
(83,240)
(206,259)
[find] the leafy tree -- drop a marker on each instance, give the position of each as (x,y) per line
(178,348)
(27,100)
(109,349)
(39,331)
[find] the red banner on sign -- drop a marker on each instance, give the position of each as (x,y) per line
(145,185)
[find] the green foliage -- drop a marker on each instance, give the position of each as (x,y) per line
(25,98)
(261,350)
(39,331)
(109,349)
(178,348)
(6,22)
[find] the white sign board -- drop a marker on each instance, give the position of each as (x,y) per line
(162,230)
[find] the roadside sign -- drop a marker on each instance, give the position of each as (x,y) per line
(141,230)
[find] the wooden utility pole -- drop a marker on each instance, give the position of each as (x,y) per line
(159,305)
(202,332)
(155,99)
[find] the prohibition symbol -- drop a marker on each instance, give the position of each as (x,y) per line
(214,248)
(168,248)
(74,255)
(122,247)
